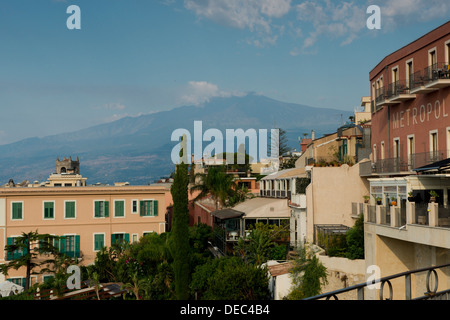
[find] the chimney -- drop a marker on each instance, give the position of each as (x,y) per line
(312,135)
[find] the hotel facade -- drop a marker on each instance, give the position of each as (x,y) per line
(410,139)
(87,218)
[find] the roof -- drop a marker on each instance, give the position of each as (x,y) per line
(227,213)
(264,208)
(286,173)
(438,165)
(280,268)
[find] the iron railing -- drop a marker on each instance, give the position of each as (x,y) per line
(431,292)
(438,70)
(400,164)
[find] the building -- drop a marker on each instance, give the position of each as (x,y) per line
(410,142)
(86,218)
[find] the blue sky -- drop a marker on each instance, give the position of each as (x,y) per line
(140,56)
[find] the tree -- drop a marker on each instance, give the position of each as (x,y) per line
(230,278)
(180,231)
(281,142)
(308,276)
(355,240)
(21,253)
(217,183)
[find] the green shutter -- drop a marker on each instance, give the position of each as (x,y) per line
(106,203)
(9,254)
(99,241)
(48,210)
(127,238)
(70,209)
(97,208)
(62,245)
(118,209)
(155,207)
(17,210)
(77,246)
(141,208)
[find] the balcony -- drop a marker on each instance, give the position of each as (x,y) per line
(383,97)
(418,81)
(425,223)
(438,76)
(401,91)
(401,165)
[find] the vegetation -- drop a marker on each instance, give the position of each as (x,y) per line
(308,276)
(22,254)
(216,183)
(180,234)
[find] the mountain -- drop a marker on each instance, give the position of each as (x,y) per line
(138,149)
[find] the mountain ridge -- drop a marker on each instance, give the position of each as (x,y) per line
(147,138)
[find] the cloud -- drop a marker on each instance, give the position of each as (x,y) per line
(346,20)
(253,15)
(198,92)
(308,22)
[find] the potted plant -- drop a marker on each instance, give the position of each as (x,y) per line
(393,201)
(366,199)
(433,196)
(378,199)
(410,196)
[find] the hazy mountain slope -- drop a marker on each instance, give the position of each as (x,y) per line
(137,149)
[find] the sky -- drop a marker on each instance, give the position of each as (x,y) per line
(138,57)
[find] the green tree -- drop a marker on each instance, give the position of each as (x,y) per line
(355,240)
(308,276)
(230,278)
(180,232)
(23,254)
(217,183)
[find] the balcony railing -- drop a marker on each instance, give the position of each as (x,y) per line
(436,71)
(431,292)
(400,164)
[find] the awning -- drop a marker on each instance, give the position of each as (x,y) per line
(436,166)
(227,214)
(9,288)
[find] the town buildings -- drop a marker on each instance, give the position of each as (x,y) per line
(85,217)
(410,141)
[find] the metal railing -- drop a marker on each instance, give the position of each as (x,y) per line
(400,87)
(438,70)
(431,292)
(400,164)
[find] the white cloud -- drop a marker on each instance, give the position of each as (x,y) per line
(198,92)
(346,20)
(253,15)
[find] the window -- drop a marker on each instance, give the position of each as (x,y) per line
(117,238)
(447,52)
(382,150)
(119,206)
(17,211)
(432,57)
(134,206)
(101,209)
(396,148)
(49,208)
(99,241)
(16,254)
(148,208)
(433,144)
(70,245)
(69,210)
(409,73)
(448,142)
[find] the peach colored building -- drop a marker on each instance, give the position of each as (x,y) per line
(88,217)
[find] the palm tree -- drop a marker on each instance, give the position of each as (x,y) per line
(216,183)
(23,254)
(136,285)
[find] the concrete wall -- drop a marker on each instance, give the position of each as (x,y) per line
(330,196)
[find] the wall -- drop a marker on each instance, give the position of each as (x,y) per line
(330,196)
